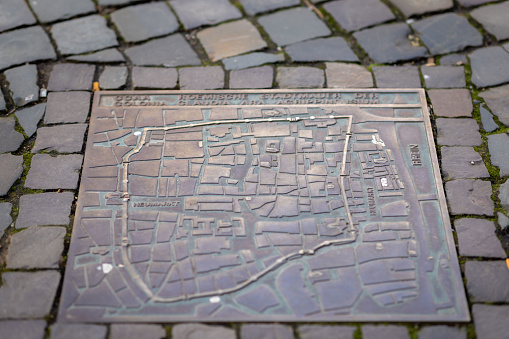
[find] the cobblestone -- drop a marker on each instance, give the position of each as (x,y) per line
(412,7)
(389,43)
(442,332)
(113,77)
(65,77)
(23,84)
(324,49)
(488,123)
(469,3)
(5,217)
(251,60)
(353,15)
(53,10)
(503,195)
(11,139)
(384,331)
(27,295)
(109,55)
(11,167)
(293,25)
(347,75)
(25,45)
(199,331)
(67,107)
(469,196)
(462,163)
(497,100)
(26,329)
(498,145)
(490,321)
(253,7)
(494,19)
(63,139)
(487,281)
(195,13)
(125,331)
(458,132)
(211,77)
(453,60)
(444,76)
(152,77)
(451,103)
(36,247)
(83,35)
(170,51)
(490,66)
(266,331)
(2,102)
(319,332)
(231,39)
(77,331)
(48,172)
(503,221)
(299,77)
(141,22)
(397,77)
(44,209)
(476,237)
(258,77)
(15,13)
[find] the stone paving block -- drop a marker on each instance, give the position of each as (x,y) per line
(11,139)
(487,281)
(347,76)
(324,49)
(83,35)
(195,13)
(15,13)
(389,43)
(442,332)
(453,60)
(63,138)
(67,107)
(199,331)
(48,172)
(44,209)
(319,332)
(113,77)
(293,25)
(115,2)
(458,132)
(490,321)
(446,33)
(462,163)
(451,102)
(498,145)
(36,247)
(397,77)
(211,77)
(477,238)
(490,66)
(488,123)
(109,55)
(66,77)
(152,77)
(11,167)
(494,19)
(26,329)
(145,21)
(23,84)
(136,331)
(412,7)
(384,331)
(53,10)
(77,331)
(253,7)
(251,60)
(469,196)
(443,76)
(503,221)
(258,77)
(2,102)
(470,3)
(28,294)
(231,39)
(251,331)
(503,195)
(170,51)
(5,217)
(25,45)
(353,15)
(300,77)
(497,100)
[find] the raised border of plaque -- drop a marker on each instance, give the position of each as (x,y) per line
(262,205)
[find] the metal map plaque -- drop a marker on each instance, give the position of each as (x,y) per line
(274,205)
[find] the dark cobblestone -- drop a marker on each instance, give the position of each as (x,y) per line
(412,7)
(113,77)
(299,77)
(503,195)
(487,281)
(325,49)
(251,60)
(11,139)
(195,13)
(44,209)
(498,145)
(469,3)
(451,103)
(384,331)
(67,107)
(48,172)
(266,332)
(211,77)
(26,329)
(347,75)
(63,139)
(490,321)
(488,123)
(494,19)
(253,7)
(397,77)
(36,247)
(458,132)
(125,331)
(319,332)
(23,84)
(77,331)
(453,60)
(199,331)
(5,217)
(442,332)
(65,77)
(462,163)
(105,56)
(11,167)
(444,76)
(151,77)
(476,237)
(353,15)
(469,196)
(497,100)
(258,77)
(490,66)
(15,13)
(53,10)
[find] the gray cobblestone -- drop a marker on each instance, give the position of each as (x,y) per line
(63,139)
(503,221)
(347,75)
(67,107)
(44,209)
(5,216)
(252,331)
(324,49)
(258,77)
(251,60)
(199,331)
(490,66)
(453,60)
(77,331)
(476,237)
(444,76)
(135,331)
(109,55)
(23,84)
(498,144)
(497,100)
(384,331)
(451,103)
(11,139)
(397,77)
(458,132)
(48,172)
(412,7)
(487,281)
(211,77)
(152,77)
(353,15)
(488,123)
(469,196)
(11,167)
(469,3)
(503,195)
(462,163)
(25,329)
(195,13)
(253,7)
(494,19)
(66,77)
(113,77)
(299,77)
(53,10)
(15,13)
(490,321)
(442,332)
(319,332)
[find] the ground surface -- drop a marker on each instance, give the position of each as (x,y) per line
(457,50)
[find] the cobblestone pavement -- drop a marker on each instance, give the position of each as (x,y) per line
(52,51)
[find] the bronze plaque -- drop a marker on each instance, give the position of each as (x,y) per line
(268,205)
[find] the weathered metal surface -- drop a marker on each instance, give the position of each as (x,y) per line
(312,205)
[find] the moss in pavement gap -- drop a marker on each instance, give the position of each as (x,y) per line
(395,10)
(413,330)
(471,332)
(358,333)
